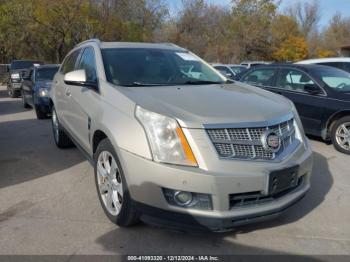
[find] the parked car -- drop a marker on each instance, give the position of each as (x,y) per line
(249,64)
(342,63)
(36,85)
(16,69)
(225,70)
(321,95)
(177,146)
(237,69)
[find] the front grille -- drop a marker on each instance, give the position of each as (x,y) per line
(256,198)
(246,143)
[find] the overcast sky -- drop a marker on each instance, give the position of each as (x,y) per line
(328,7)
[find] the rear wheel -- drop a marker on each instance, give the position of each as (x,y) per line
(340,135)
(61,138)
(111,186)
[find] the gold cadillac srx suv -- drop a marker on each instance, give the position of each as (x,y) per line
(175,143)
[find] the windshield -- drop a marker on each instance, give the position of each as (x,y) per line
(46,73)
(336,79)
(143,67)
(23,64)
(238,69)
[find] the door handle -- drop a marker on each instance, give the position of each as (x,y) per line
(68,93)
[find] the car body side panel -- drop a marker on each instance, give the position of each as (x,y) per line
(118,122)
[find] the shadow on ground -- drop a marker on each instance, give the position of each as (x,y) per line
(161,241)
(3,93)
(28,151)
(12,106)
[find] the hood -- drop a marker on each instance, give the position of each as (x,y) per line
(44,84)
(197,105)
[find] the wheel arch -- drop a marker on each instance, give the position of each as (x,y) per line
(97,137)
(331,120)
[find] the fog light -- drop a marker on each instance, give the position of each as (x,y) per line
(188,199)
(183,198)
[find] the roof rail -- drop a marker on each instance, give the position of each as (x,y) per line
(93,40)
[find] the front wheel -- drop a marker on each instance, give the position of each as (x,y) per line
(111,186)
(340,135)
(40,114)
(61,138)
(11,92)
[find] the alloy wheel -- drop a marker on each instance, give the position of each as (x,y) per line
(342,135)
(109,183)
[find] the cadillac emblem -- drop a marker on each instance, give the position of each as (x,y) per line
(271,141)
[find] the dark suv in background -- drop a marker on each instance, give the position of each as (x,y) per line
(321,95)
(36,86)
(16,69)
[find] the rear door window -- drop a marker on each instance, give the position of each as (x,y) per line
(294,80)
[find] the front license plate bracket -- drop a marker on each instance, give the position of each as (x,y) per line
(283,179)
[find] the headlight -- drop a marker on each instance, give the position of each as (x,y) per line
(43,92)
(300,134)
(166,139)
(15,76)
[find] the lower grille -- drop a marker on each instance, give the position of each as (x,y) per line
(247,143)
(256,198)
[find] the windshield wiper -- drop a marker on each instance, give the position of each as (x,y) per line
(140,84)
(201,82)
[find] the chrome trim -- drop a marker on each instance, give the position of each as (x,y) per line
(293,144)
(272,122)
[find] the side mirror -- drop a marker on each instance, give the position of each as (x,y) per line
(25,75)
(78,78)
(312,89)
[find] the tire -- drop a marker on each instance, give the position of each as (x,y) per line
(11,92)
(62,140)
(24,101)
(340,135)
(121,210)
(40,114)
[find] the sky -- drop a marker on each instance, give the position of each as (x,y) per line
(328,7)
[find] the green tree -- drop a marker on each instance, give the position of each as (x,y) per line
(250,26)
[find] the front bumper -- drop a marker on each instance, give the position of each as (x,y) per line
(15,86)
(146,179)
(168,219)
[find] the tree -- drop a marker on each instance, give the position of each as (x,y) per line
(294,48)
(307,15)
(282,28)
(48,29)
(336,34)
(250,25)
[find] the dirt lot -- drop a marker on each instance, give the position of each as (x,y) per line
(48,205)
